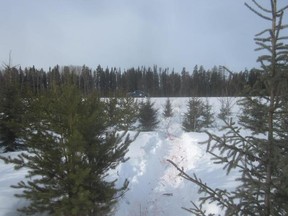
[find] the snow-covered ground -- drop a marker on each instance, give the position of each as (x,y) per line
(155,187)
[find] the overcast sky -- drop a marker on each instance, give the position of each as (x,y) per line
(129,33)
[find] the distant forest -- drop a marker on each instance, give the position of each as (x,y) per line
(155,81)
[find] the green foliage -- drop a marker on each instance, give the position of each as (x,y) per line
(112,110)
(258,147)
(157,81)
(225,109)
(69,155)
(147,116)
(129,111)
(168,111)
(254,114)
(208,115)
(122,112)
(12,111)
(198,115)
(192,119)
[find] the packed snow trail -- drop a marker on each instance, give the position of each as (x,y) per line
(155,186)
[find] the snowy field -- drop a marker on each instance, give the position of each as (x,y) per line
(155,187)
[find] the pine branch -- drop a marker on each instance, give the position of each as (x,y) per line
(196,210)
(264,46)
(279,25)
(222,197)
(256,12)
(283,38)
(261,7)
(264,58)
(263,39)
(283,9)
(262,32)
(232,151)
(263,66)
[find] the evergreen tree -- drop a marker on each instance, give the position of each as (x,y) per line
(261,158)
(112,110)
(254,115)
(168,111)
(208,115)
(69,154)
(122,112)
(225,109)
(129,111)
(193,118)
(147,116)
(12,111)
(154,80)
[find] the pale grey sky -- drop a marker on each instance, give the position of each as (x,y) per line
(129,33)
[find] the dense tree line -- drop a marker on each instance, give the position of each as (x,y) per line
(157,82)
